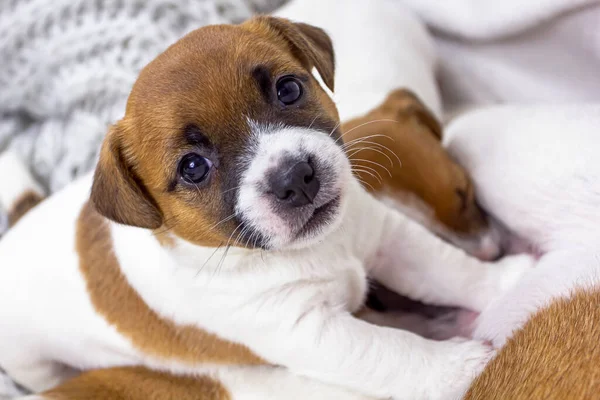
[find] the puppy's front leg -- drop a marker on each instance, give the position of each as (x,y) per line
(340,349)
(412,261)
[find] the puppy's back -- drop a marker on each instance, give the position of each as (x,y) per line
(555,356)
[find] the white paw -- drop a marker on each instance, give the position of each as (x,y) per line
(502,276)
(464,361)
(510,270)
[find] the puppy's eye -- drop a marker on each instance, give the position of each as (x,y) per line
(289,90)
(194,168)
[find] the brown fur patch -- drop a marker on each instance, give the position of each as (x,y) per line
(556,356)
(26,202)
(137,383)
(405,127)
(122,307)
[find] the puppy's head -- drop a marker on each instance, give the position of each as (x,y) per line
(228,138)
(403,137)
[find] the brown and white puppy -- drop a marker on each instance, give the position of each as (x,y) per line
(139,382)
(226,237)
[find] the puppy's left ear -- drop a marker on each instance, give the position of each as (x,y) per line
(309,44)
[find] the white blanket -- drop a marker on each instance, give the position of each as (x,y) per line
(514,51)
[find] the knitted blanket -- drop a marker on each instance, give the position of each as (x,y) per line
(67,67)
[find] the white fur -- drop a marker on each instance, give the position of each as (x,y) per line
(536,168)
(15,180)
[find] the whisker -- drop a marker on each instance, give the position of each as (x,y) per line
(363,182)
(374,163)
(354,169)
(361,139)
(208,259)
(231,189)
(367,123)
(223,220)
(375,150)
(313,121)
(373,170)
(334,128)
(384,147)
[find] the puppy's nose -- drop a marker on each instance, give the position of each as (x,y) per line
(296,184)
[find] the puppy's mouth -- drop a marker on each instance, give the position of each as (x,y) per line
(321,217)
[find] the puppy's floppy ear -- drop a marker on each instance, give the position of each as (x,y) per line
(117,192)
(424,115)
(309,44)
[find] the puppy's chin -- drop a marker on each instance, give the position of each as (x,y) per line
(294,191)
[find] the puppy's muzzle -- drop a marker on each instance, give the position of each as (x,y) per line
(294,183)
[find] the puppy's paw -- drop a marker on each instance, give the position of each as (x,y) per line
(464,361)
(500,277)
(510,270)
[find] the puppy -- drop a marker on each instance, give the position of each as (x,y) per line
(225,236)
(536,168)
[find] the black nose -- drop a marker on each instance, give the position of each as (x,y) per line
(295,183)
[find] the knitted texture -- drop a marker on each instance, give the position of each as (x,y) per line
(67,66)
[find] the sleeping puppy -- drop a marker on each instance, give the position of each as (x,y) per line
(226,237)
(536,168)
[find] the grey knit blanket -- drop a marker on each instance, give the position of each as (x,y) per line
(67,66)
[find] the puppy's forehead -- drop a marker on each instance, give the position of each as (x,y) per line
(213,63)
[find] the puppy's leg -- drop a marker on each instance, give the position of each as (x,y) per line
(413,262)
(340,349)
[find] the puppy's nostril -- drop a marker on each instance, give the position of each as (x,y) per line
(288,195)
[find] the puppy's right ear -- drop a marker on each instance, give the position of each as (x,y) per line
(117,192)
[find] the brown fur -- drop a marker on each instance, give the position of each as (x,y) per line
(137,383)
(556,356)
(409,130)
(123,308)
(26,202)
(204,80)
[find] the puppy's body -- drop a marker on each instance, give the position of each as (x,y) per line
(218,277)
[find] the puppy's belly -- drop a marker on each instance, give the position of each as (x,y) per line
(44,306)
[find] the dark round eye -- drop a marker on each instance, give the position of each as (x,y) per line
(194,168)
(289,90)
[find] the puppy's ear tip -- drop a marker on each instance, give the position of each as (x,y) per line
(310,44)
